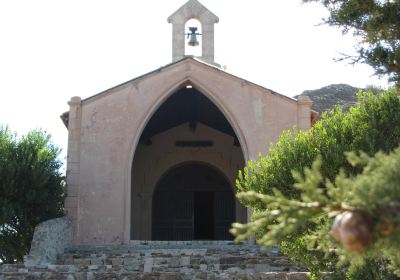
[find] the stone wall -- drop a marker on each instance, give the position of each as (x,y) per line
(50,239)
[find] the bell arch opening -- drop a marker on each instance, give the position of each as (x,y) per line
(193,38)
(187,127)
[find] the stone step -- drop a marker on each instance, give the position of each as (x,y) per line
(218,256)
(154,266)
(177,261)
(176,256)
(189,251)
(172,248)
(163,247)
(200,275)
(162,260)
(264,267)
(184,242)
(168,253)
(180,260)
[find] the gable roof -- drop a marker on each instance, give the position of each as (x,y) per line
(192,9)
(64,117)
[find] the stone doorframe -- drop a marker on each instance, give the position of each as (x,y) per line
(214,98)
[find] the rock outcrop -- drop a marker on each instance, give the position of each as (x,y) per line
(328,97)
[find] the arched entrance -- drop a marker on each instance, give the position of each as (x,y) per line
(188,157)
(193,201)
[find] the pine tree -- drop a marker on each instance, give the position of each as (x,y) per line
(376,23)
(356,216)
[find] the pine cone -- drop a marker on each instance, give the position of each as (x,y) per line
(353,229)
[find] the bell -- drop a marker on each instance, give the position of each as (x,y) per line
(193,40)
(193,37)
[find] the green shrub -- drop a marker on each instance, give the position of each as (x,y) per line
(372,126)
(32,189)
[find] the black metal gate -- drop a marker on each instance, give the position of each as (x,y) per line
(193,201)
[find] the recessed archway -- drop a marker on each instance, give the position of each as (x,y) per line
(187,127)
(193,201)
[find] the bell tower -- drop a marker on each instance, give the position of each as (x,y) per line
(193,9)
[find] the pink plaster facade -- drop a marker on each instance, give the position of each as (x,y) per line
(104,132)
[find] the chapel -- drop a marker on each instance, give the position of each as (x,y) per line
(156,157)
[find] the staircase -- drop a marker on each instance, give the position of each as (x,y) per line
(162,260)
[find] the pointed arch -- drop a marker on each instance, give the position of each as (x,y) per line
(168,92)
(213,97)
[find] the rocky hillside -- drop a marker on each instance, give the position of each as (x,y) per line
(328,97)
